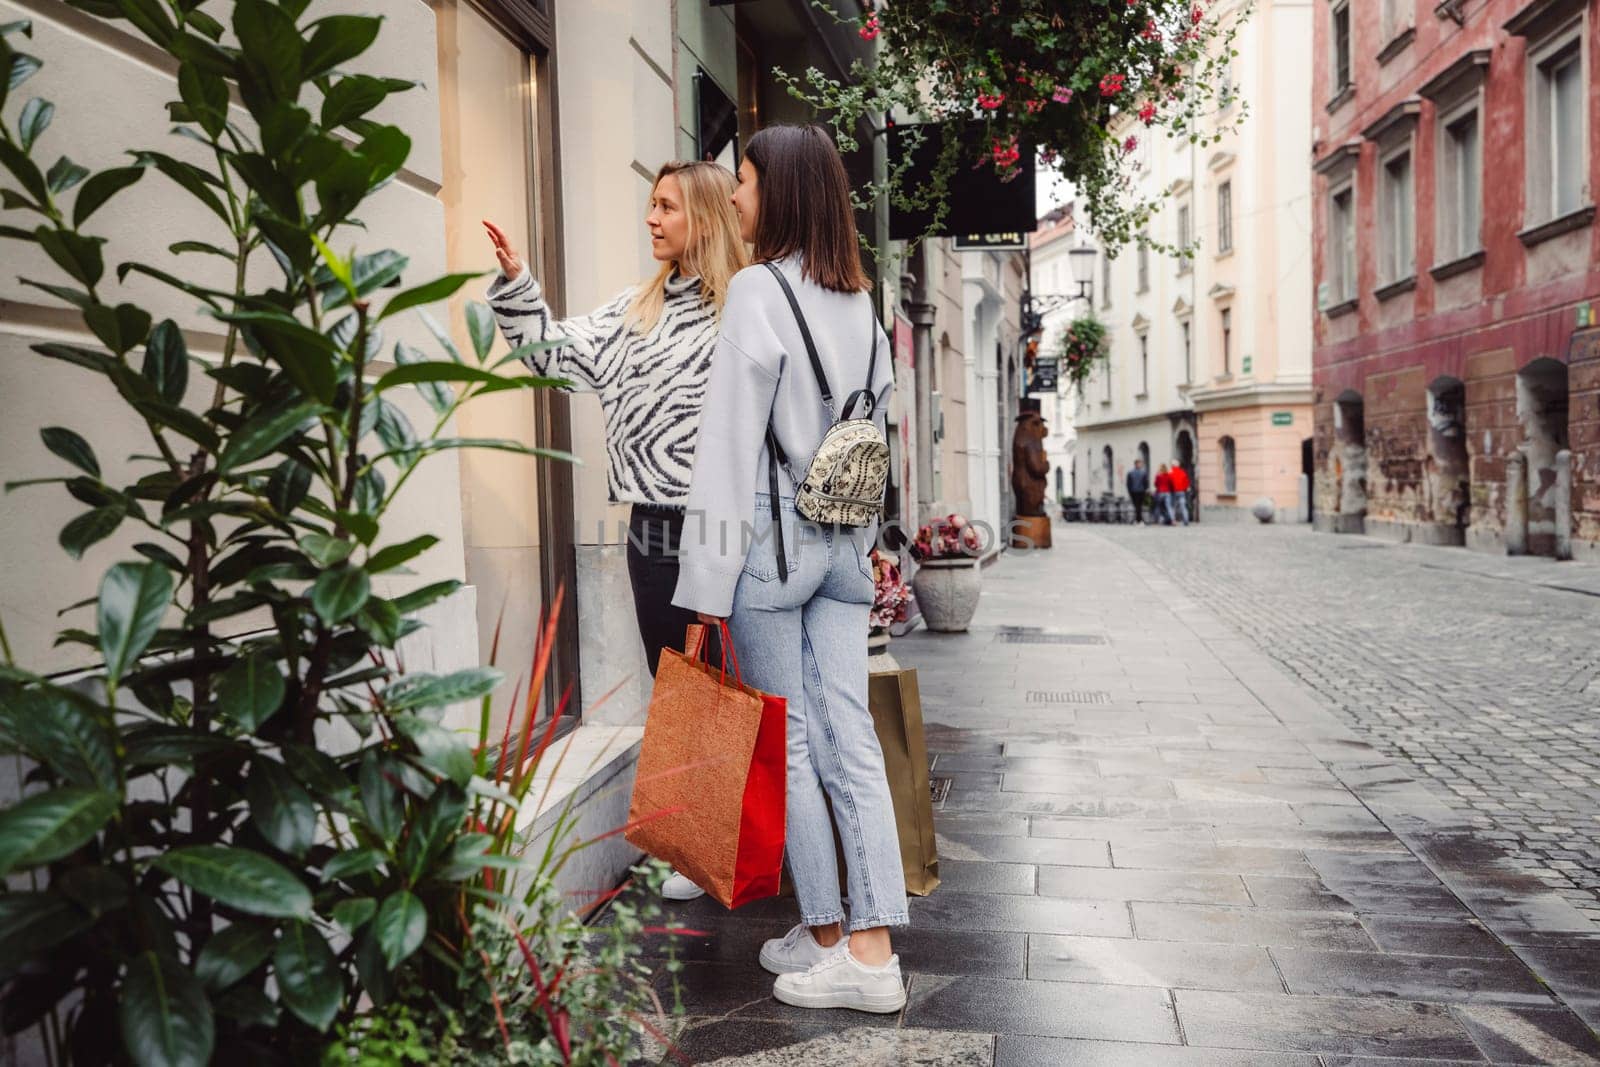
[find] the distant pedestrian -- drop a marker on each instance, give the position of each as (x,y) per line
(1138,488)
(1162,512)
(1180,493)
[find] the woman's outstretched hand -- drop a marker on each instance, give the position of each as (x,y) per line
(510,262)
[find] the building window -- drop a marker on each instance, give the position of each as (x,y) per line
(1556,158)
(1144,262)
(1188,355)
(1144,364)
(1105,281)
(1225,217)
(1397,225)
(1341,47)
(1396,18)
(1227,341)
(1341,246)
(1105,380)
(1230,470)
(1460,168)
(1109,458)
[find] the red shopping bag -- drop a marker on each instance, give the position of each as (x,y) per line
(708,797)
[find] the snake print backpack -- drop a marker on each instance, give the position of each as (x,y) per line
(844,483)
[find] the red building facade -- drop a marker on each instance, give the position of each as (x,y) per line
(1456,148)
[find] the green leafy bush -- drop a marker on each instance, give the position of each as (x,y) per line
(242,843)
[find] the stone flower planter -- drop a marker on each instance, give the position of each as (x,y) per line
(947,592)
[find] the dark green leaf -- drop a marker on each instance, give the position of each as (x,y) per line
(70,447)
(318,772)
(233,953)
(466,856)
(251,691)
(26,172)
(270,184)
(100,188)
(133,597)
(354,911)
(418,599)
(338,39)
(166,361)
(437,371)
(435,826)
(400,926)
(480,325)
(443,751)
(239,878)
(308,357)
(379,799)
(53,729)
(166,1019)
(263,434)
(76,297)
(441,690)
(339,593)
(439,396)
(280,807)
(351,97)
(119,328)
(394,555)
(46,826)
(156,746)
(248,1006)
(272,45)
(200,52)
(348,864)
(151,17)
(495,444)
(23,67)
(82,357)
(394,430)
(179,247)
(368,274)
(206,95)
(74,253)
(65,174)
(308,976)
(430,293)
(33,922)
(288,486)
(91,527)
(159,555)
(196,182)
(34,120)
(324,550)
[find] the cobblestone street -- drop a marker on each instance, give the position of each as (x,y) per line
(1161,848)
(1481,674)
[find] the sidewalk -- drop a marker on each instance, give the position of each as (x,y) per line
(1157,849)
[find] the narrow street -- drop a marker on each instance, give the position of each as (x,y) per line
(1162,846)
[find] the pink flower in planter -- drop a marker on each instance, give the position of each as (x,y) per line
(1151,31)
(1147,113)
(990,103)
(1129,145)
(1062,95)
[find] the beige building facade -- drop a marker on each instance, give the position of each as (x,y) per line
(1252,276)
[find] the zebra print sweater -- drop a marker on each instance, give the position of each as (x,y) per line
(651,386)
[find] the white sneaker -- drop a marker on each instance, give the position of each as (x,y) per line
(793,953)
(839,980)
(677,887)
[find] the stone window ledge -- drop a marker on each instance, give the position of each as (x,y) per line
(1394,289)
(1334,311)
(1572,220)
(1460,265)
(1343,97)
(1401,42)
(1142,396)
(1224,495)
(573,769)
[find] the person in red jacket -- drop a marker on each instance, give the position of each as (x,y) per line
(1180,493)
(1162,512)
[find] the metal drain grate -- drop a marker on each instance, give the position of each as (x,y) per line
(1034,637)
(1068,696)
(940,788)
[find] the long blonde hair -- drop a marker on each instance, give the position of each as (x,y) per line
(713,252)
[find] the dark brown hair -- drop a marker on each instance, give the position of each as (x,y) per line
(805,206)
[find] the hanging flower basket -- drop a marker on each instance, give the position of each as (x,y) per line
(1083,347)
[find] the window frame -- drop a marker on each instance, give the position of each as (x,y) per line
(1229,449)
(1391,271)
(1144,363)
(1225,323)
(1557,49)
(1105,279)
(1144,263)
(1225,217)
(1336,10)
(1341,241)
(1451,239)
(1186,327)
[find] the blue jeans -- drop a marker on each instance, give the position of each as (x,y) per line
(1162,512)
(806,640)
(1181,503)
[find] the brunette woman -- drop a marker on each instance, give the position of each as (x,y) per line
(800,629)
(647,353)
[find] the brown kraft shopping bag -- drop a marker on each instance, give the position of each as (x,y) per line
(708,796)
(896,706)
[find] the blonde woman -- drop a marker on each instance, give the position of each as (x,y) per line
(647,353)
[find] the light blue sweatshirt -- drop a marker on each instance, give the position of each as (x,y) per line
(760,372)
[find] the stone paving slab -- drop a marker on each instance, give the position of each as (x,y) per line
(1208,869)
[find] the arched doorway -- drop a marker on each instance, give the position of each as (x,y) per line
(1448,482)
(1542,404)
(1109,459)
(1308,471)
(1349,462)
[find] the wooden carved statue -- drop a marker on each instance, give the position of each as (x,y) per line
(1030,467)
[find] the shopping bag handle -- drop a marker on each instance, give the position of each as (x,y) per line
(694,646)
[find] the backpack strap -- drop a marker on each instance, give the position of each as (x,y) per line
(805,335)
(872,372)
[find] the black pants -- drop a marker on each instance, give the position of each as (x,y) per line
(653,534)
(1138,507)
